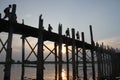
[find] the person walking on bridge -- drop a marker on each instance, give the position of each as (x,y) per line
(50,28)
(67,33)
(7,12)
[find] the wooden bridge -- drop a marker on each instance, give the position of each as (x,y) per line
(107,58)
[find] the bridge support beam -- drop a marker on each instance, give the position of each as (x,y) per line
(77,63)
(56,67)
(84,58)
(67,59)
(40,60)
(0,15)
(60,51)
(7,70)
(98,61)
(73,55)
(23,57)
(92,53)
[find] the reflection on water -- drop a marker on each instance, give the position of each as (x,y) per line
(64,77)
(49,72)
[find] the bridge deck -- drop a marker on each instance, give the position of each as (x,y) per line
(30,31)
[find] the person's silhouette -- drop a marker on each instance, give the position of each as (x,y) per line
(50,28)
(77,35)
(67,32)
(7,12)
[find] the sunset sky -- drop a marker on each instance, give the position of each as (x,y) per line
(103,15)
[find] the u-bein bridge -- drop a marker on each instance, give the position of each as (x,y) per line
(107,58)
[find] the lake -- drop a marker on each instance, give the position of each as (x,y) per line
(49,72)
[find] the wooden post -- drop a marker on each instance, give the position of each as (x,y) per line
(102,63)
(98,60)
(73,54)
(40,61)
(23,57)
(67,59)
(110,69)
(60,51)
(105,63)
(77,62)
(113,65)
(108,73)
(0,15)
(23,21)
(7,70)
(55,45)
(84,58)
(92,53)
(110,63)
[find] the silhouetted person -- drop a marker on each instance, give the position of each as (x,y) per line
(77,35)
(13,16)
(50,28)
(67,32)
(7,12)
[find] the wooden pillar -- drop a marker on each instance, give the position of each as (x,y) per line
(60,51)
(92,53)
(98,61)
(40,61)
(84,58)
(102,63)
(110,63)
(23,21)
(108,66)
(23,57)
(77,63)
(67,59)
(73,54)
(105,62)
(55,45)
(7,70)
(0,15)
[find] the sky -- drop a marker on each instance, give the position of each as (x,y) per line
(103,15)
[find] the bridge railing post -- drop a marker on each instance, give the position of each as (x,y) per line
(77,63)
(92,53)
(23,57)
(7,70)
(0,15)
(73,55)
(40,60)
(60,51)
(56,66)
(84,58)
(67,59)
